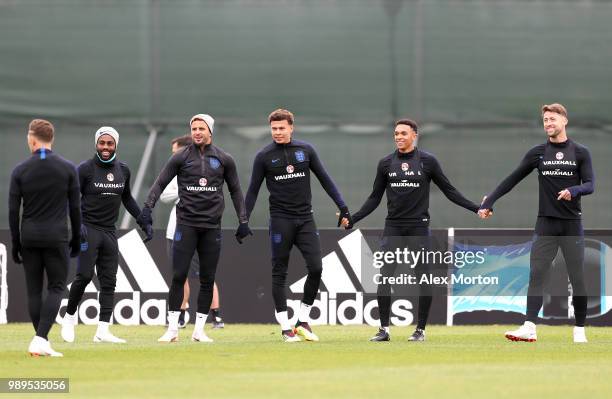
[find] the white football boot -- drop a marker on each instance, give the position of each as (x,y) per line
(104,335)
(305,332)
(580,335)
(290,336)
(525,333)
(41,347)
(171,334)
(200,336)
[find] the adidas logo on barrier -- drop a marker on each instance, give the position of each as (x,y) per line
(343,302)
(149,310)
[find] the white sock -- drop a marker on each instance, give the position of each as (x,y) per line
(304,313)
(199,322)
(102,328)
(70,317)
(387,329)
(530,325)
(283,320)
(173,320)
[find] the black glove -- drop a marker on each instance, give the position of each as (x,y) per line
(148,230)
(144,218)
(344,213)
(145,221)
(17,252)
(84,239)
(75,246)
(352,222)
(243,231)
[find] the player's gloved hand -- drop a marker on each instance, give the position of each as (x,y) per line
(84,239)
(75,245)
(17,251)
(145,221)
(144,218)
(243,231)
(344,213)
(148,230)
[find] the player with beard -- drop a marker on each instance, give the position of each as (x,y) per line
(565,174)
(170,195)
(201,169)
(105,185)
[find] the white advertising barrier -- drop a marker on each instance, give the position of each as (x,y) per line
(3,285)
(148,278)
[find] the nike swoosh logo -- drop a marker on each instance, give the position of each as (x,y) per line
(275,160)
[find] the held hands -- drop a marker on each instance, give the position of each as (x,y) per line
(484,213)
(564,195)
(242,232)
(145,217)
(344,218)
(145,221)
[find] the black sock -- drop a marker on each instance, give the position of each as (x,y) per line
(534,304)
(216,313)
(423,311)
(182,316)
(580,309)
(384,306)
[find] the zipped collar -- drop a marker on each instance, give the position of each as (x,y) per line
(105,164)
(406,155)
(283,145)
(204,150)
(563,144)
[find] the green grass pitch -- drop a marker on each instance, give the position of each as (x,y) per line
(252,361)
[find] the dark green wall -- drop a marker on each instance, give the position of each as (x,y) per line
(474,73)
